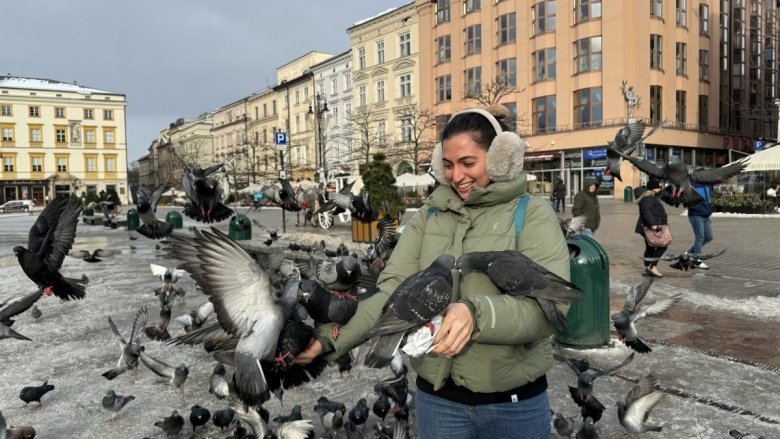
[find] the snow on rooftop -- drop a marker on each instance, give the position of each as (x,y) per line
(358,23)
(47,84)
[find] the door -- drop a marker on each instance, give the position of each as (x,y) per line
(10,193)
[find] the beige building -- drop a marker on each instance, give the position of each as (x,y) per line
(262,157)
(60,139)
(574,76)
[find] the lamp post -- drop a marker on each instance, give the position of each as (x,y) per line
(319,113)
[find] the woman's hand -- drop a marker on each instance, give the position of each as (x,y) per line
(655,228)
(455,331)
(312,351)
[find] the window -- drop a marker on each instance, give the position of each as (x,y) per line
(544,114)
(62,164)
(543,65)
(444,88)
(441,123)
(59,112)
(682,58)
(362,95)
(108,114)
(380,52)
(110,164)
(656,102)
(380,91)
(442,11)
(406,85)
(587,55)
(507,32)
(286,101)
(704,65)
(405,43)
(336,116)
(88,113)
(35,111)
(507,71)
(8,134)
(59,135)
(680,105)
(704,110)
(362,58)
(381,132)
(587,107)
(656,52)
(297,97)
(305,96)
(443,48)
(543,17)
(406,129)
(586,10)
(704,19)
(334,86)
(91,164)
(682,16)
(8,164)
(273,107)
(472,39)
(35,135)
(471,6)
(473,81)
(109,137)
(5,110)
(37,164)
(89,135)
(297,123)
(656,8)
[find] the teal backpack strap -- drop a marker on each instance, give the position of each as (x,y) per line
(520,217)
(431,211)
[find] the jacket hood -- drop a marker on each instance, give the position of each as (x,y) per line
(445,197)
(645,194)
(589,181)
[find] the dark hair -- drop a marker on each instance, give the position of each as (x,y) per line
(476,125)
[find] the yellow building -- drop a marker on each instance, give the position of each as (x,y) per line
(59,139)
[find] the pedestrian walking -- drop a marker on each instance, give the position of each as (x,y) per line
(586,202)
(559,190)
(699,217)
(652,216)
(257,197)
(771,196)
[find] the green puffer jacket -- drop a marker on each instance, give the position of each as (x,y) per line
(510,345)
(587,203)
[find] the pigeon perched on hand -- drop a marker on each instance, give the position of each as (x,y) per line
(171,425)
(130,349)
(688,261)
(114,403)
(95,255)
(35,393)
(49,241)
(147,201)
(419,298)
(639,402)
(624,319)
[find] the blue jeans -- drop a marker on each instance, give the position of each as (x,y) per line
(702,230)
(441,418)
(588,232)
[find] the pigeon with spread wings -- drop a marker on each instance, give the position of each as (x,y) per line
(284,196)
(147,207)
(687,261)
(130,350)
(206,190)
(624,319)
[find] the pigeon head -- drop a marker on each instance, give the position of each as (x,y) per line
(621,320)
(472,262)
(19,251)
(110,393)
(219,369)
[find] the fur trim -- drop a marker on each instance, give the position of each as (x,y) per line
(505,157)
(437,165)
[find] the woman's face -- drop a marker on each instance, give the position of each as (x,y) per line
(465,164)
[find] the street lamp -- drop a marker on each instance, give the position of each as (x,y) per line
(320,115)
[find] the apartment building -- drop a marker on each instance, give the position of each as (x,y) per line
(262,154)
(60,139)
(573,73)
(330,111)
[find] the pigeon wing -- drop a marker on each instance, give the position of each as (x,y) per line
(628,359)
(423,301)
(271,191)
(158,270)
(672,257)
(645,166)
(157,366)
(112,325)
(156,196)
(46,221)
(702,257)
(577,223)
(19,304)
(636,295)
(641,400)
(139,323)
(716,175)
(188,183)
(144,195)
(59,243)
(656,308)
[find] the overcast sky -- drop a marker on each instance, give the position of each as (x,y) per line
(172,58)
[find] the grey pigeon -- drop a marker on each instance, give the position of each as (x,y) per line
(419,298)
(36,314)
(737,435)
(114,403)
(130,349)
(572,226)
(147,201)
(160,332)
(178,375)
(588,431)
(331,420)
(248,416)
(626,141)
(244,302)
(196,317)
(218,386)
(7,332)
(688,261)
(517,275)
(272,233)
(339,273)
(624,319)
(584,389)
(639,402)
(169,276)
(171,425)
(13,307)
(563,426)
(206,193)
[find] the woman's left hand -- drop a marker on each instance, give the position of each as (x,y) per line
(455,331)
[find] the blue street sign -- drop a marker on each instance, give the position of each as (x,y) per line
(595,153)
(758,145)
(650,154)
(281,138)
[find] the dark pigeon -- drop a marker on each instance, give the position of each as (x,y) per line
(94,256)
(588,431)
(205,192)
(584,389)
(171,425)
(147,207)
(114,403)
(624,319)
(324,306)
(688,261)
(736,434)
(284,197)
(199,416)
(295,415)
(34,394)
(223,418)
(359,414)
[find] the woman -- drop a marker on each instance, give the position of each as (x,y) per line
(486,379)
(586,202)
(651,214)
(559,191)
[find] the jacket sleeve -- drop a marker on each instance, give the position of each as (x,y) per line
(578,208)
(402,263)
(646,213)
(507,320)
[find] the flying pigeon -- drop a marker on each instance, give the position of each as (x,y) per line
(107,207)
(584,389)
(626,141)
(35,393)
(130,350)
(171,425)
(572,226)
(206,193)
(147,207)
(688,261)
(272,233)
(419,298)
(639,402)
(284,197)
(13,307)
(95,255)
(624,319)
(341,199)
(50,240)
(178,375)
(114,403)
(519,276)
(196,317)
(160,331)
(168,276)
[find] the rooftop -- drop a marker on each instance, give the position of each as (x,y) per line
(48,84)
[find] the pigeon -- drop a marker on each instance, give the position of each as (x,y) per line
(218,385)
(572,226)
(130,350)
(147,201)
(737,435)
(13,307)
(338,274)
(292,430)
(584,389)
(284,197)
(331,420)
(331,406)
(381,406)
(624,319)
(324,306)
(680,176)
(272,233)
(36,313)
(519,276)
(171,425)
(131,236)
(563,426)
(345,362)
(223,418)
(416,300)
(639,402)
(199,416)
(359,414)
(592,408)
(206,193)
(178,375)
(341,200)
(248,416)
(352,430)
(687,261)
(380,250)
(243,299)
(295,415)
(160,331)
(588,431)
(114,403)
(7,332)
(626,141)
(395,388)
(95,255)
(196,317)
(49,241)
(34,394)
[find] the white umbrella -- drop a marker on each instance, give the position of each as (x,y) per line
(171,192)
(306,184)
(766,160)
(251,189)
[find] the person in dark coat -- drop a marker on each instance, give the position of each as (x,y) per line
(651,214)
(559,191)
(586,202)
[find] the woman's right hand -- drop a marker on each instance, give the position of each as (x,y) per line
(312,351)
(655,228)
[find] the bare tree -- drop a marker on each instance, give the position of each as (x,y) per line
(415,144)
(495,92)
(362,129)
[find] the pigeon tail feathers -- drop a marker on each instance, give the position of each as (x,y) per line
(155,230)
(381,354)
(638,345)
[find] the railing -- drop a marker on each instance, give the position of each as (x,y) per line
(605,123)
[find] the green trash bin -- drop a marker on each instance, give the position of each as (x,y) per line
(89,211)
(133,220)
(174,218)
(588,318)
(628,194)
(240,228)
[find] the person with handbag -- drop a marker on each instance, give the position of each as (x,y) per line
(653,225)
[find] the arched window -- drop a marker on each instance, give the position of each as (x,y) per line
(404,168)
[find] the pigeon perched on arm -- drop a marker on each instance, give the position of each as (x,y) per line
(639,402)
(114,403)
(35,393)
(130,350)
(95,255)
(624,319)
(49,241)
(171,425)
(324,306)
(147,207)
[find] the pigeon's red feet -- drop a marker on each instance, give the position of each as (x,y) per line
(336,332)
(279,360)
(48,290)
(344,295)
(430,326)
(134,372)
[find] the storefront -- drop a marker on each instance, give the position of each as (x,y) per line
(34,190)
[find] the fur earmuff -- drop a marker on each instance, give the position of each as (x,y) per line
(437,165)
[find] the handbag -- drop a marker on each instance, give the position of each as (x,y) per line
(658,238)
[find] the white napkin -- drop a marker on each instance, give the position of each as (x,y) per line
(420,341)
